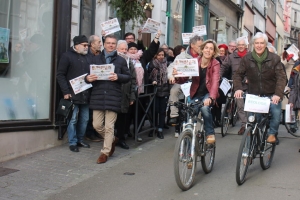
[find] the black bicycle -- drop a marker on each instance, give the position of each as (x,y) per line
(229,112)
(190,145)
(254,143)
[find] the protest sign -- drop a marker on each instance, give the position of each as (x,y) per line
(110,26)
(200,30)
(102,71)
(78,84)
(256,104)
(151,26)
(186,67)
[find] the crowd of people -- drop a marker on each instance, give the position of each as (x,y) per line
(107,110)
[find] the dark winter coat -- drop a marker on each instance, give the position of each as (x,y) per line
(106,94)
(72,65)
(295,89)
(163,90)
(271,80)
(128,90)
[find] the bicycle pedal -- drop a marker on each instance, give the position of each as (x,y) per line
(190,165)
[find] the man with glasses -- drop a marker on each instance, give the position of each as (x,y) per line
(230,66)
(231,46)
(75,62)
(130,37)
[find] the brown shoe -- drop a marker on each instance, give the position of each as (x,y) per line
(113,146)
(210,139)
(271,139)
(102,159)
(241,131)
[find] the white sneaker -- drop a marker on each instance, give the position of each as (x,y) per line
(176,134)
(139,139)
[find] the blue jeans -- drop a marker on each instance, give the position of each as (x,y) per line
(207,116)
(275,111)
(78,123)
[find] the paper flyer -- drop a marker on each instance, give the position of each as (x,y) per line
(4,41)
(256,104)
(186,88)
(151,26)
(200,30)
(102,71)
(186,67)
(79,85)
(111,26)
(293,50)
(225,86)
(186,38)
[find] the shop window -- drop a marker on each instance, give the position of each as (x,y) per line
(87,17)
(199,15)
(25,59)
(175,23)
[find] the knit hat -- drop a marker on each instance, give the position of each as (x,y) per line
(80,39)
(132,44)
(223,46)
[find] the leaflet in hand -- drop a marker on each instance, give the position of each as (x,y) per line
(293,50)
(78,84)
(110,26)
(186,67)
(225,86)
(186,37)
(200,30)
(151,26)
(102,71)
(186,87)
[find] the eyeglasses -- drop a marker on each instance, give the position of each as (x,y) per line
(85,45)
(131,38)
(232,46)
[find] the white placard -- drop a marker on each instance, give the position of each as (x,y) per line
(102,71)
(78,84)
(256,104)
(151,26)
(200,30)
(293,50)
(289,114)
(225,86)
(110,26)
(186,88)
(186,67)
(186,37)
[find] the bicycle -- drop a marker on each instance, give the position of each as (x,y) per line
(229,112)
(191,144)
(253,143)
(293,128)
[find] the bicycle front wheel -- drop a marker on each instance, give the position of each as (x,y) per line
(267,155)
(225,116)
(184,163)
(208,159)
(244,157)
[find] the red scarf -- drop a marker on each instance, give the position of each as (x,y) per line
(243,53)
(194,55)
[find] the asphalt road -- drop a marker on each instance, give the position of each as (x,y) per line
(152,165)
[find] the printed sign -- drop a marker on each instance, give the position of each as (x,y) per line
(186,67)
(256,104)
(102,71)
(293,50)
(200,30)
(186,88)
(110,26)
(186,38)
(78,84)
(151,26)
(225,86)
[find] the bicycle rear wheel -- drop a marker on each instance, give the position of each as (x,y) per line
(225,116)
(267,155)
(244,157)
(293,128)
(184,163)
(208,159)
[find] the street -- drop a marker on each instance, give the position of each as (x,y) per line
(57,173)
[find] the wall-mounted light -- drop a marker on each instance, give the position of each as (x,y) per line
(148,6)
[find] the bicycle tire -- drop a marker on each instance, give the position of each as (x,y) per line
(234,114)
(244,157)
(293,128)
(225,116)
(268,152)
(208,159)
(184,165)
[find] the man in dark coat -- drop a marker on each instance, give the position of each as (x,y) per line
(265,77)
(106,95)
(75,62)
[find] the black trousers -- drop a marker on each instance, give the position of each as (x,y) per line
(160,110)
(122,125)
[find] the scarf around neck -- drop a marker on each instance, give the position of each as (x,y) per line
(135,56)
(139,70)
(160,68)
(260,59)
(242,54)
(108,56)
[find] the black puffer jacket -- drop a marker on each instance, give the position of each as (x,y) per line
(72,65)
(270,80)
(107,95)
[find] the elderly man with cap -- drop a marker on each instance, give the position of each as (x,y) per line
(232,64)
(73,63)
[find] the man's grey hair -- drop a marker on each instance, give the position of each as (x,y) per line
(122,42)
(92,39)
(232,41)
(240,39)
(195,39)
(164,44)
(270,46)
(260,35)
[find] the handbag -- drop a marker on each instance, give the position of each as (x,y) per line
(65,108)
